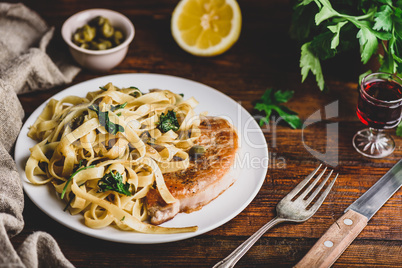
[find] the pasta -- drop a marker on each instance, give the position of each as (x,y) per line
(102,153)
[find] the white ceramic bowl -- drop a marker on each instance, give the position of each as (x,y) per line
(98,60)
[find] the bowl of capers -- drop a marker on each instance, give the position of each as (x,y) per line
(98,39)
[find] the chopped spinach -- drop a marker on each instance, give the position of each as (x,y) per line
(78,169)
(114,182)
(104,120)
(118,106)
(168,122)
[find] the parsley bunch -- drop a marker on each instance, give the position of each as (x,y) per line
(327,29)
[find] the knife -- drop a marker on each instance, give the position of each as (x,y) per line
(341,234)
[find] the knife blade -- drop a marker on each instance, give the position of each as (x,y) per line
(342,233)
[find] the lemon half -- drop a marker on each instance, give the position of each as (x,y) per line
(206,27)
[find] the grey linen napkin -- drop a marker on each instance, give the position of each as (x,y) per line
(24,66)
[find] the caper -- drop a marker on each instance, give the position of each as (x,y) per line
(101,45)
(77,39)
(85,45)
(117,37)
(104,44)
(107,29)
(84,34)
(196,151)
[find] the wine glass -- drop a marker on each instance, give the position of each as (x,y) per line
(379,107)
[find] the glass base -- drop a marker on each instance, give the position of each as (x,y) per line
(373,143)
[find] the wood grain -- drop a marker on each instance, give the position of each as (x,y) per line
(264,57)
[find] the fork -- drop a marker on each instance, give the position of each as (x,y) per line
(288,209)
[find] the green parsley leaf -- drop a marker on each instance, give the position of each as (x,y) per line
(309,62)
(321,44)
(368,44)
(289,116)
(325,13)
(271,101)
(383,19)
(266,97)
(114,182)
(267,108)
(336,29)
(281,97)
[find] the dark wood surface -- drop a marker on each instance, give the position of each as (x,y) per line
(263,57)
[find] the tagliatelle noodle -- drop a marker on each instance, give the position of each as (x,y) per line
(112,131)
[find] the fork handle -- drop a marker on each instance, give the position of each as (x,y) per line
(334,242)
(235,256)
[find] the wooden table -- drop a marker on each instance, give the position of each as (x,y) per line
(264,57)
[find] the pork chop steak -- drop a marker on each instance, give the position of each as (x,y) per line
(204,179)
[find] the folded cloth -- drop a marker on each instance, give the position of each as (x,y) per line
(25,66)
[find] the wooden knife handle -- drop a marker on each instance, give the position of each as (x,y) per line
(334,242)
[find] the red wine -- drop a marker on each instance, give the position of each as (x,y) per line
(378,106)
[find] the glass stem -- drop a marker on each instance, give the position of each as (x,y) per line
(374,134)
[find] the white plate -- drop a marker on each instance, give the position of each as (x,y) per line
(250,167)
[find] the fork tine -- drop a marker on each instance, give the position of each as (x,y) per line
(311,186)
(314,194)
(303,183)
(317,204)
